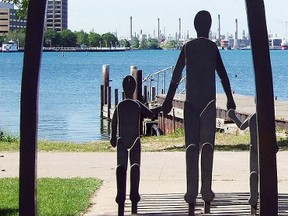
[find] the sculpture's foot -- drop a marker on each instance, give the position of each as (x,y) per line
(253,199)
(207,206)
(253,210)
(134,207)
(191,209)
(207,194)
(121,209)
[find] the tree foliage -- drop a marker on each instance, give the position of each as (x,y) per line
(22,6)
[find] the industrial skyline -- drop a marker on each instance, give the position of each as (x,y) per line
(113,16)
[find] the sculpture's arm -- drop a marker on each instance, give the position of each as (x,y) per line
(225,82)
(176,77)
(114,124)
(240,125)
(145,111)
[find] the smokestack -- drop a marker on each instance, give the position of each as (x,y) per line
(158,29)
(236,35)
(131,34)
(219,27)
(179,34)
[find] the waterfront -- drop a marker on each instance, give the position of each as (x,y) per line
(70,86)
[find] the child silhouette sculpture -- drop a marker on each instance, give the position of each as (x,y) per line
(252,124)
(126,136)
(201,58)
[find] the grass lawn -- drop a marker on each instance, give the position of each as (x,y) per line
(172,142)
(56,197)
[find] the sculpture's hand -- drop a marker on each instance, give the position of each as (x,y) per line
(156,111)
(113,141)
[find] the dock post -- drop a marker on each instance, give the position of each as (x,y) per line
(137,74)
(101,98)
(145,95)
(105,75)
(116,97)
(108,102)
(265,110)
(153,93)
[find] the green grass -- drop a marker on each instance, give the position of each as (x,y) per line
(56,197)
(172,142)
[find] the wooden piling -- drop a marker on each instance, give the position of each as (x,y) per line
(153,93)
(108,101)
(101,98)
(105,76)
(116,101)
(137,74)
(145,98)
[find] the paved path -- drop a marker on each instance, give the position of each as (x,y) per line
(162,180)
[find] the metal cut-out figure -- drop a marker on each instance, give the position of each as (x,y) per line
(126,136)
(201,58)
(252,124)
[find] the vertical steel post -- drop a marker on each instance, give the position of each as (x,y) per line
(264,107)
(29,108)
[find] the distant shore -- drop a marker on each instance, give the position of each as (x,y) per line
(79,49)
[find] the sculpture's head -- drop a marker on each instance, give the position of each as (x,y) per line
(129,86)
(202,23)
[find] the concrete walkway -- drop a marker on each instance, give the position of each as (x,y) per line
(162,183)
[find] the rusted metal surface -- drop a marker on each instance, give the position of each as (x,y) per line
(29,107)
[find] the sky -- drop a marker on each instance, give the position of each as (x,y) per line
(104,16)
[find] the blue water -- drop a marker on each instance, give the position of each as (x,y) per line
(69,87)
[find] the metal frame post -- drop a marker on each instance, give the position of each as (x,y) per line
(264,107)
(29,108)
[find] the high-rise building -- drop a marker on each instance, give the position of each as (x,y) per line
(9,20)
(57,15)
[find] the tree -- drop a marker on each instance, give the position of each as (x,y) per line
(16,35)
(82,38)
(94,39)
(109,40)
(22,6)
(67,38)
(153,43)
(134,43)
(51,38)
(124,43)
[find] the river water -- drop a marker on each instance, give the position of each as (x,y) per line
(70,86)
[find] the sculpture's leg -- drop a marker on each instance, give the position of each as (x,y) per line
(207,139)
(121,189)
(192,140)
(206,175)
(121,173)
(192,157)
(135,175)
(253,199)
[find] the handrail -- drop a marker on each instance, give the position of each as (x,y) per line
(156,83)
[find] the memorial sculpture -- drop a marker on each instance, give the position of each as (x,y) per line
(126,136)
(250,122)
(201,58)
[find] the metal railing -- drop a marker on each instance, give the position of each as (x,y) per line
(158,83)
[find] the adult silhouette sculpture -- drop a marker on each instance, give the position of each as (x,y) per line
(201,58)
(126,136)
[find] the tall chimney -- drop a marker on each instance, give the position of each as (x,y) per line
(236,35)
(131,34)
(158,29)
(179,34)
(219,27)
